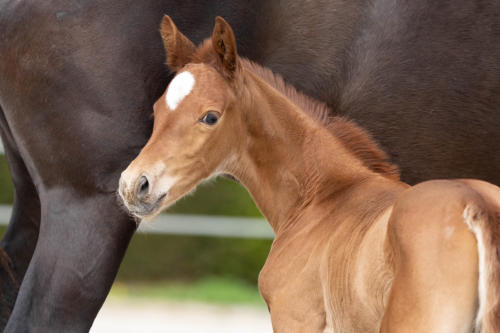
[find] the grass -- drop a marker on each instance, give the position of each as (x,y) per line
(220,196)
(154,258)
(207,290)
(6,187)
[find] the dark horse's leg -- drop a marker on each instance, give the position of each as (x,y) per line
(81,243)
(19,241)
(82,240)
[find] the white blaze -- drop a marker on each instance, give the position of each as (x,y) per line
(179,88)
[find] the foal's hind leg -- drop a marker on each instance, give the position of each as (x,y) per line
(18,243)
(435,261)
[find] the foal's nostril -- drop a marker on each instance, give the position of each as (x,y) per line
(142,187)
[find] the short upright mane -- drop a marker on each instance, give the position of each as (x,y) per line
(353,137)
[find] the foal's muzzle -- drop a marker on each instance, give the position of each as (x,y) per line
(137,196)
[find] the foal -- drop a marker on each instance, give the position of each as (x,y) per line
(356,250)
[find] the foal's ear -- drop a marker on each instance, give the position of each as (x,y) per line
(179,48)
(224,44)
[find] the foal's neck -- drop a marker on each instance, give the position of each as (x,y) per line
(290,161)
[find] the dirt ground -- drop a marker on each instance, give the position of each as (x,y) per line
(120,315)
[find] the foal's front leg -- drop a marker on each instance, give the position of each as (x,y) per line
(293,317)
(435,265)
(292,292)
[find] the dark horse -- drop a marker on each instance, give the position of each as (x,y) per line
(78,80)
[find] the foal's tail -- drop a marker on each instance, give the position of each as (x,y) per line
(485,224)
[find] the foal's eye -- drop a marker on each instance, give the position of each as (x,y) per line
(210,118)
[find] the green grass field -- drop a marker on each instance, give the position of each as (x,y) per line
(208,290)
(6,188)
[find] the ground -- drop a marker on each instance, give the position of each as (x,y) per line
(208,305)
(119,315)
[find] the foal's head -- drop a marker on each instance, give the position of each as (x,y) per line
(197,127)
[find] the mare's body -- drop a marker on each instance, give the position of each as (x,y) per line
(356,249)
(77,81)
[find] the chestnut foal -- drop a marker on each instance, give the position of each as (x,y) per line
(356,250)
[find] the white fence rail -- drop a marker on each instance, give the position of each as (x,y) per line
(198,225)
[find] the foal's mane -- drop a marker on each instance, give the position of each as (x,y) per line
(357,140)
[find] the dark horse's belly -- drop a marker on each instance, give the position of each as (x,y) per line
(78,79)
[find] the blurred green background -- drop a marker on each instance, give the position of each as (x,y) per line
(189,267)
